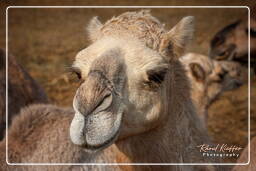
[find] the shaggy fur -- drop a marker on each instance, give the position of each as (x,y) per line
(39,134)
(145,28)
(209,78)
(141,25)
(22,90)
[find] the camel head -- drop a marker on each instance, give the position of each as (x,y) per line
(231,43)
(209,78)
(124,77)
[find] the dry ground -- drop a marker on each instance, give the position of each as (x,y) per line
(45,41)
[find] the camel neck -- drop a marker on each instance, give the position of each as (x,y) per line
(164,143)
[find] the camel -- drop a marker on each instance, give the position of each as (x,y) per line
(133,104)
(22,90)
(209,78)
(231,42)
(31,138)
(244,158)
(134,93)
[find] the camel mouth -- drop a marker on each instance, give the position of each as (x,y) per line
(95,132)
(101,130)
(92,148)
(234,84)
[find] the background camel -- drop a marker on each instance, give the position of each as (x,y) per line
(244,158)
(40,133)
(135,99)
(209,78)
(22,90)
(231,43)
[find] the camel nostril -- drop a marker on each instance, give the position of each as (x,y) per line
(85,108)
(82,110)
(79,106)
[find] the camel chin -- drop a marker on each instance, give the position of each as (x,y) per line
(95,132)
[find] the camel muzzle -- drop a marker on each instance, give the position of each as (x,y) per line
(97,119)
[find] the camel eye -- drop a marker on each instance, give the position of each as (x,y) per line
(76,71)
(155,77)
(104,103)
(222,74)
(78,74)
(220,77)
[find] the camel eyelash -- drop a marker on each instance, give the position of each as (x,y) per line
(75,70)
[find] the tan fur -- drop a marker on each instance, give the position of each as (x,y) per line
(140,25)
(218,76)
(39,134)
(158,125)
(22,90)
(143,26)
(231,43)
(244,158)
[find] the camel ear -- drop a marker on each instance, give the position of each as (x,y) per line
(197,71)
(176,40)
(93,29)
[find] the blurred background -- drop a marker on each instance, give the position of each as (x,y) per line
(45,42)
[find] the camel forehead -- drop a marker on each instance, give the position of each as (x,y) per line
(141,21)
(141,25)
(135,55)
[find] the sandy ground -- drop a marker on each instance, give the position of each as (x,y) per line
(45,42)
